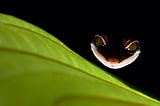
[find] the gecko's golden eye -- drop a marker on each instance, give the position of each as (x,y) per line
(100,41)
(132,46)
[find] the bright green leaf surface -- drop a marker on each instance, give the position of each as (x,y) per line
(37,69)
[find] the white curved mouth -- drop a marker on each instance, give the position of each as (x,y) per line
(114,65)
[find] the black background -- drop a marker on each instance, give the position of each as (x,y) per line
(75,24)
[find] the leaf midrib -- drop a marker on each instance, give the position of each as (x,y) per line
(67,65)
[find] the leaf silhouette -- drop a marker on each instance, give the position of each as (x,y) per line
(38,69)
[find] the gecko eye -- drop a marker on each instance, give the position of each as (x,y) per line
(132,46)
(100,41)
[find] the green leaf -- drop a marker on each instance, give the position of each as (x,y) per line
(37,69)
